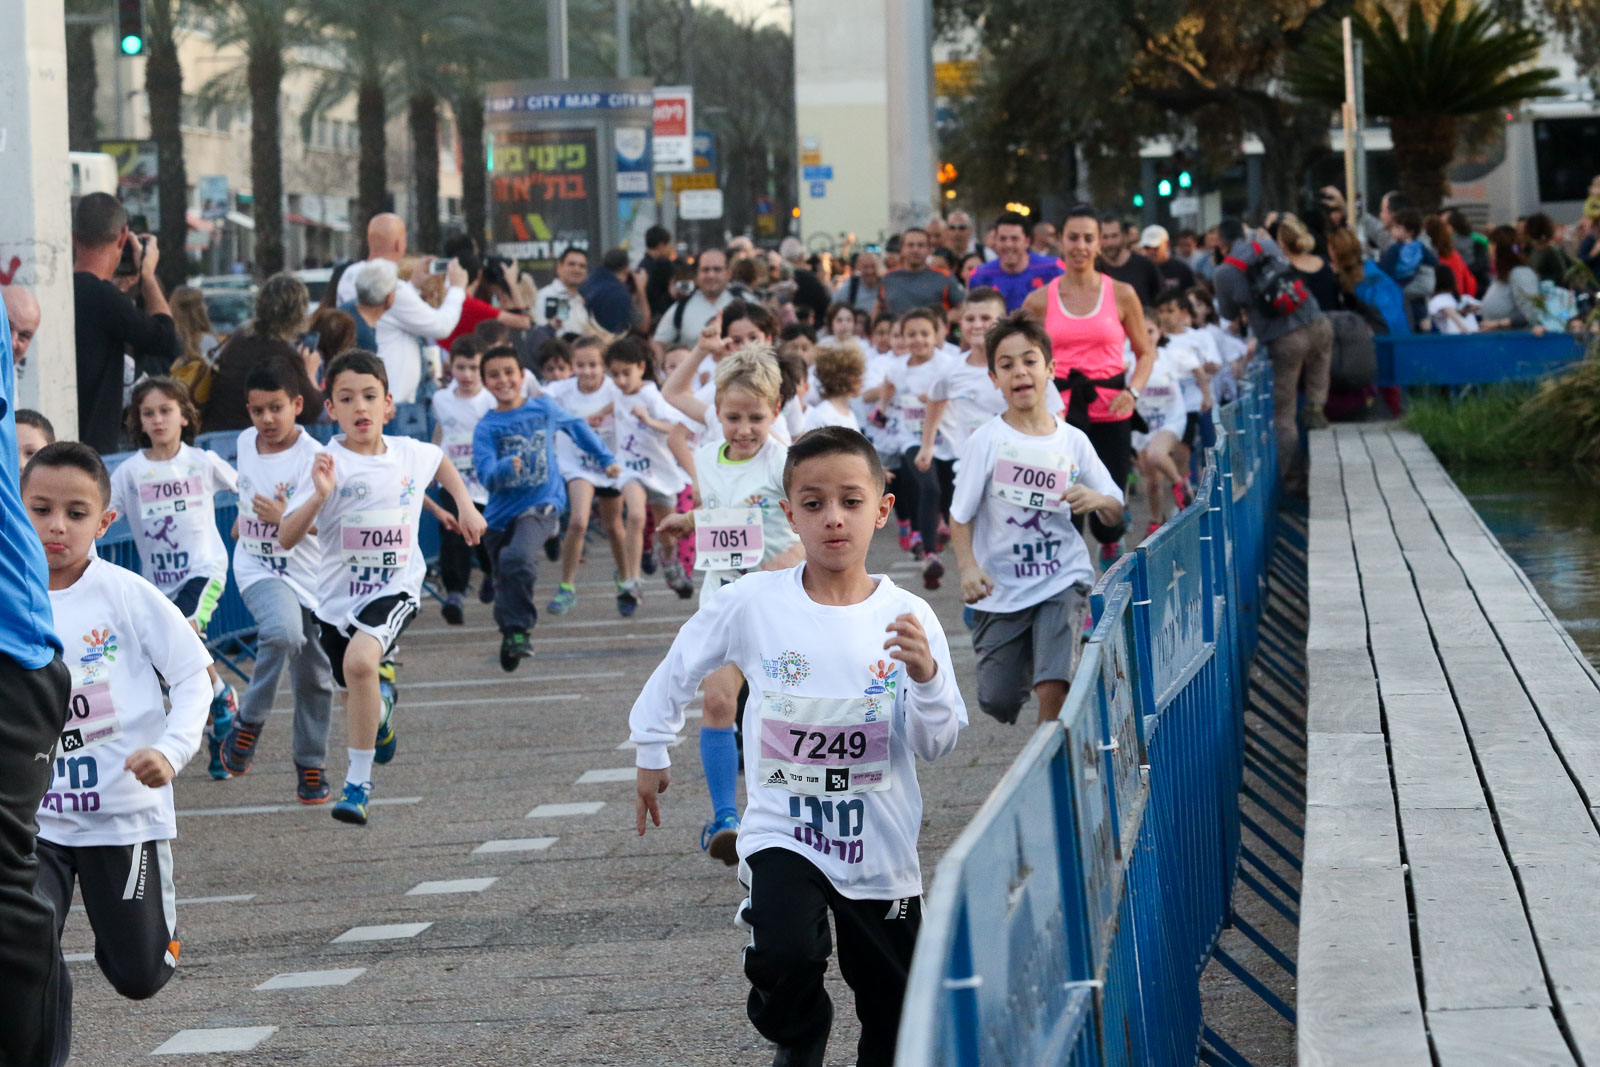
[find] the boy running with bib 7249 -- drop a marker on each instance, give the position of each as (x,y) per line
(854,683)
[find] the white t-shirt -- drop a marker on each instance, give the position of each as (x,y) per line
(1188,351)
(574,462)
(754,483)
(793,417)
(168,504)
(878,364)
(367,529)
(825,414)
(118,632)
(457,418)
(973,399)
(1160,402)
(258,556)
(906,409)
(1030,554)
(642,451)
(826,704)
(574,317)
(1438,310)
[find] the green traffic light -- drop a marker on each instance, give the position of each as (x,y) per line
(1164,187)
(132,44)
(1138,200)
(1185,179)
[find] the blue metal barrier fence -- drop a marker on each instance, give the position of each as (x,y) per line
(1070,921)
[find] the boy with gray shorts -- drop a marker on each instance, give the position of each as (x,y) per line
(1025,569)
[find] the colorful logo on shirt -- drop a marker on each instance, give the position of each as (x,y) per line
(358,490)
(1035,522)
(285,490)
(885,678)
(758,500)
(407,487)
(99,649)
(790,668)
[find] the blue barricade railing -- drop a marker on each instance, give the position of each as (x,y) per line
(232,628)
(1474,359)
(1070,921)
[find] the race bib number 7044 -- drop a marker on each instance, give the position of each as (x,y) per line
(377,538)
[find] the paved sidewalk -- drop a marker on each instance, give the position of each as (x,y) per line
(528,923)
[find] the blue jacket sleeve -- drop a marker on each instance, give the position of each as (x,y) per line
(584,437)
(490,468)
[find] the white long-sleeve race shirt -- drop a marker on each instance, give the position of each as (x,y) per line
(831,728)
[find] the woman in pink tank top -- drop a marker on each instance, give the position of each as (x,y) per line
(1088,316)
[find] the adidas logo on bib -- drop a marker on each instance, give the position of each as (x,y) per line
(777,778)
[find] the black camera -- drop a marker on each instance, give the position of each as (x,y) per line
(494,270)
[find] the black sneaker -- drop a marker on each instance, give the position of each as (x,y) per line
(239,746)
(486,590)
(514,648)
(647,562)
(552,550)
(451,610)
(808,1053)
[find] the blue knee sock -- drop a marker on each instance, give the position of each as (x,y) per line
(719,755)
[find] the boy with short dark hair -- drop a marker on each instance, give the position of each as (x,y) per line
(279,585)
(365,498)
(514,451)
(108,821)
(1024,568)
(33,433)
(456,412)
(832,731)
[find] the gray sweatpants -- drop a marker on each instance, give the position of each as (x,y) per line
(515,552)
(286,631)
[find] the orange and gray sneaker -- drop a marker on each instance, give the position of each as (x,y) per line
(313,786)
(239,746)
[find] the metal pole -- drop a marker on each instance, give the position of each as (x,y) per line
(1360,101)
(556,13)
(624,44)
(1347,115)
(912,159)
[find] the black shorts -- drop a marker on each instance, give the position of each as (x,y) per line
(197,599)
(1191,426)
(606,492)
(384,619)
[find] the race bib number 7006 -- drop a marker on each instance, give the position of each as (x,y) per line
(1031,478)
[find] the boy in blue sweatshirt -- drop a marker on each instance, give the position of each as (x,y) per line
(514,453)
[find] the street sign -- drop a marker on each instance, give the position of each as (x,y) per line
(674,129)
(819,190)
(700,204)
(1185,205)
(213,191)
(705,151)
(677,183)
(811,157)
(818,174)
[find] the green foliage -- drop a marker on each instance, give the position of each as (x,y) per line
(1463,63)
(1474,429)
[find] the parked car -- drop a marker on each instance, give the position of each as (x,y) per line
(316,279)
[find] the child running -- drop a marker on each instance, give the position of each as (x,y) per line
(166,492)
(279,586)
(591,396)
(515,451)
(33,433)
(107,822)
(1195,359)
(739,528)
(838,369)
(365,498)
(856,683)
(964,397)
(904,401)
(652,441)
(1024,567)
(1160,404)
(456,412)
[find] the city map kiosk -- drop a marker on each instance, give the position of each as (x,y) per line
(569,165)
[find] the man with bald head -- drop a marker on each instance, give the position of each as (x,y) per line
(409,317)
(23,311)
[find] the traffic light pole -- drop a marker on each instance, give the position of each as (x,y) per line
(36,227)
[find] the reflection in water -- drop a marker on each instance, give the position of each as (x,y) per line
(1550,524)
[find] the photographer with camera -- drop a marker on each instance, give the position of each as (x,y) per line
(492,278)
(109,324)
(560,305)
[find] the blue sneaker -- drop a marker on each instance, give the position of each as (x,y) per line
(969,617)
(566,597)
(627,598)
(386,740)
(223,706)
(719,839)
(352,806)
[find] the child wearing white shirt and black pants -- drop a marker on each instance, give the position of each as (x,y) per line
(852,681)
(107,822)
(1025,569)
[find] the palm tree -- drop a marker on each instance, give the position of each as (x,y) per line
(264,30)
(1427,80)
(84,20)
(163,85)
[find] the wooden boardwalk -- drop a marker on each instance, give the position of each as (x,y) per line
(1451,892)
